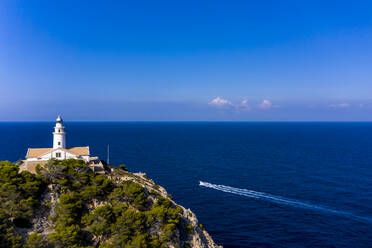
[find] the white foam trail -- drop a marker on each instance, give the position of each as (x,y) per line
(279,200)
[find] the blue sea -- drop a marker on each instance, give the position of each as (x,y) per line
(250,184)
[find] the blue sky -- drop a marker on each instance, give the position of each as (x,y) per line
(186,61)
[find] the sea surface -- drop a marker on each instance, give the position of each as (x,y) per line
(250,184)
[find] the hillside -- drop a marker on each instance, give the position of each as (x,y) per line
(67,205)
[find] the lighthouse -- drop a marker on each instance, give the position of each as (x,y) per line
(59,134)
(41,156)
(59,150)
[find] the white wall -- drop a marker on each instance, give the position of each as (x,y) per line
(64,155)
(61,138)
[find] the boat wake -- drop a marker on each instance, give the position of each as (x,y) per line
(280,200)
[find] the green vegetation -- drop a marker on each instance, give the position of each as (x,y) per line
(189,228)
(201,227)
(123,167)
(127,215)
(19,197)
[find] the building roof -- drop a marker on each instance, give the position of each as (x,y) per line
(38,152)
(79,151)
(59,119)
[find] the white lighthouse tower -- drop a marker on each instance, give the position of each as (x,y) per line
(59,135)
(41,156)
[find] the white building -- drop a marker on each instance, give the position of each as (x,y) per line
(59,151)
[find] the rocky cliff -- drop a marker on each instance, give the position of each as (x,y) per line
(66,204)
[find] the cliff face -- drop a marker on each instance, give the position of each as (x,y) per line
(70,206)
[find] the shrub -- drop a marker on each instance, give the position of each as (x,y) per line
(19,197)
(35,240)
(123,167)
(189,228)
(66,236)
(187,245)
(100,220)
(132,192)
(201,227)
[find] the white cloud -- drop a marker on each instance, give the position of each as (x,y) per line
(339,105)
(220,102)
(244,105)
(266,104)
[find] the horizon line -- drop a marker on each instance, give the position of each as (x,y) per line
(194,121)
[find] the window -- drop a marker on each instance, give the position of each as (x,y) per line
(59,143)
(58,154)
(59,130)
